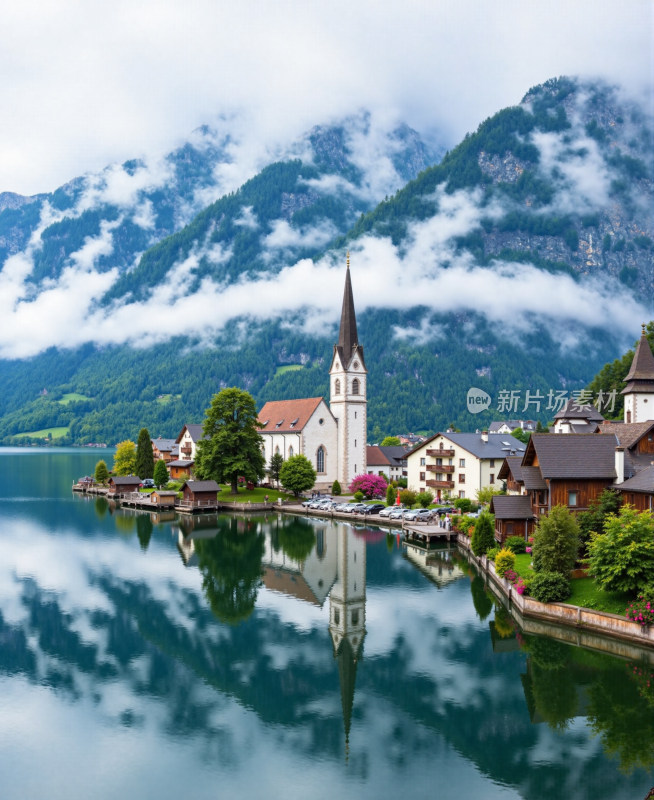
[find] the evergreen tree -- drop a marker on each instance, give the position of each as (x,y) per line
(160,473)
(101,472)
(556,542)
(483,536)
(233,447)
(144,465)
(276,462)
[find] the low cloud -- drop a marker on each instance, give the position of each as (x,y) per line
(425,271)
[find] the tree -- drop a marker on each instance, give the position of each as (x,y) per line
(297,475)
(390,441)
(391,494)
(101,472)
(144,465)
(276,461)
(125,458)
(486,493)
(233,444)
(483,536)
(592,521)
(160,473)
(369,485)
(556,542)
(425,499)
(336,489)
(408,497)
(520,435)
(622,558)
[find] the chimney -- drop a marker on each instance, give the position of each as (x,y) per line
(484,436)
(619,464)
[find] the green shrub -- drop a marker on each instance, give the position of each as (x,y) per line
(425,499)
(556,542)
(516,544)
(504,560)
(358,496)
(408,497)
(550,587)
(492,553)
(391,493)
(336,489)
(464,504)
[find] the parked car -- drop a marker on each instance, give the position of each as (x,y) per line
(349,508)
(373,508)
(417,514)
(147,483)
(443,510)
(398,513)
(386,512)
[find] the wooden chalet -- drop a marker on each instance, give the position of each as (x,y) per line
(569,470)
(637,439)
(514,516)
(123,484)
(511,474)
(200,494)
(576,417)
(180,469)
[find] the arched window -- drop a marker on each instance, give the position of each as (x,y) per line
(337,386)
(355,386)
(290,451)
(320,459)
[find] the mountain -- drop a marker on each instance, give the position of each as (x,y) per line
(520,262)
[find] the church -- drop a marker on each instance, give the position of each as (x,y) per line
(332,437)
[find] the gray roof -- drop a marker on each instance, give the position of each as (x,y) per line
(348,337)
(496,447)
(532,478)
(512,465)
(642,367)
(125,480)
(202,486)
(180,463)
(194,430)
(572,410)
(512,424)
(573,455)
(643,481)
(164,444)
(511,506)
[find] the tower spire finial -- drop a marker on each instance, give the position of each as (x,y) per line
(348,266)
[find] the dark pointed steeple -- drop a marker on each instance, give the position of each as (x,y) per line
(641,375)
(348,337)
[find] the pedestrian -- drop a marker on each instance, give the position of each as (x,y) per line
(266,498)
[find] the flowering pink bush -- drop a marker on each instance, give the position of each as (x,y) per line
(520,586)
(370,485)
(641,611)
(528,549)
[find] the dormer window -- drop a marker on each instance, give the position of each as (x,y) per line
(279,424)
(295,422)
(263,424)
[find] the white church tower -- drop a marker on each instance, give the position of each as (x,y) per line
(639,391)
(348,392)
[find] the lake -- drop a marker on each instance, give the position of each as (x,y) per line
(282,657)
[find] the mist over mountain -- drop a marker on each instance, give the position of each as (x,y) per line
(521,260)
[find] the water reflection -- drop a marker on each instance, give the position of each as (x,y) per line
(299,652)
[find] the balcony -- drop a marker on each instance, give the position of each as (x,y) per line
(440,453)
(448,468)
(441,484)
(186,451)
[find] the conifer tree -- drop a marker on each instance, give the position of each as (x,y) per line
(144,457)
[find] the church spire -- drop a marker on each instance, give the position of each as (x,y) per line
(348,337)
(642,367)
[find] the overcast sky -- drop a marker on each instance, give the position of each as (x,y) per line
(83,83)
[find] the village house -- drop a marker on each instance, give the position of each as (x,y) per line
(123,484)
(187,441)
(180,470)
(575,417)
(509,425)
(514,516)
(389,461)
(164,449)
(164,498)
(459,464)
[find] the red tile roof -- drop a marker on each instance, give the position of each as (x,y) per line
(292,414)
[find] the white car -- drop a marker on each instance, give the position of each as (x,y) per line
(386,512)
(423,514)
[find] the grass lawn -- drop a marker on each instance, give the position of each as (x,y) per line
(586,593)
(287,368)
(72,397)
(256,495)
(57,433)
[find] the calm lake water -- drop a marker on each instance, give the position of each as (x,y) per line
(282,657)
